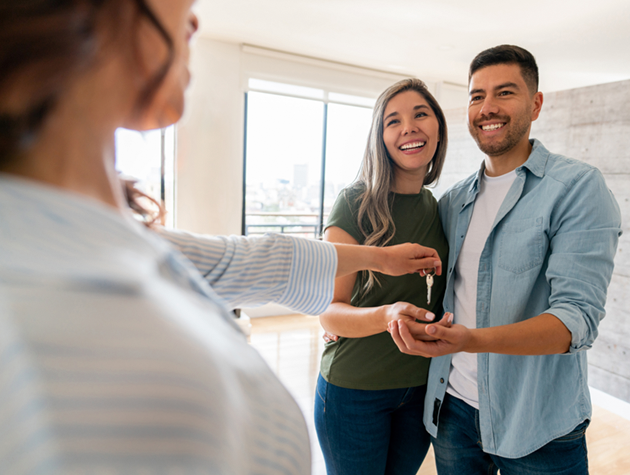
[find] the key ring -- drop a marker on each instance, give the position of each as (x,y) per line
(429,278)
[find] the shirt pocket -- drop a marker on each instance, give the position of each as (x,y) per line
(521,245)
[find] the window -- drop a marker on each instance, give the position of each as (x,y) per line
(302,147)
(149,158)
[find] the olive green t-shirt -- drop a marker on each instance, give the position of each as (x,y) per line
(374,362)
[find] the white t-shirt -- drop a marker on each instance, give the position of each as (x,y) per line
(462,381)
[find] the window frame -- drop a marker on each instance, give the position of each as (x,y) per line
(326,100)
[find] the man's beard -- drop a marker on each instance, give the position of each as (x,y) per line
(515,132)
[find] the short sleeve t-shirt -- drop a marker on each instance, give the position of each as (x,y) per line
(375,362)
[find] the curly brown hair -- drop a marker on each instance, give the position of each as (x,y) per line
(44,44)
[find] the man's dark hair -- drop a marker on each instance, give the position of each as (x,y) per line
(508,54)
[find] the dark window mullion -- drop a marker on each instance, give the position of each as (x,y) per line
(320,228)
(163,166)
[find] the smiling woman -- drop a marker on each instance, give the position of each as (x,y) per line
(370,397)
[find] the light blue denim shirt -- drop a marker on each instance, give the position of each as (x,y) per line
(550,250)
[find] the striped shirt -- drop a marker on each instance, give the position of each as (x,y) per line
(245,272)
(116,357)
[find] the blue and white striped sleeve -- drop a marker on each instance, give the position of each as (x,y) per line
(250,271)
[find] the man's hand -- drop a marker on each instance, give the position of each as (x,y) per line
(437,339)
(408,258)
(544,334)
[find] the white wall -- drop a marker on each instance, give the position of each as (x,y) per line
(210,143)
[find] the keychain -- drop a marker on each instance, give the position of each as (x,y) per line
(429,285)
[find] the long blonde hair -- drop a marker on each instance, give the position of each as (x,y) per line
(376,176)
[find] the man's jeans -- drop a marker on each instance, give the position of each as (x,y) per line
(371,432)
(458,448)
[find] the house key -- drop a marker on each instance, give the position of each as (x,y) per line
(429,285)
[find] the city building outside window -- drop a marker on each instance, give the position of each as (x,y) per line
(302,147)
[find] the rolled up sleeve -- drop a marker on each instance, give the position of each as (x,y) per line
(585,230)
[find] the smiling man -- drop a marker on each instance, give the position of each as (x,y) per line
(532,238)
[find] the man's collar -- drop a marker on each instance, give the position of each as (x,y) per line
(536,163)
(537,160)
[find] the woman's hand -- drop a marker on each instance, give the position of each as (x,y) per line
(396,260)
(408,258)
(394,312)
(407,312)
(418,331)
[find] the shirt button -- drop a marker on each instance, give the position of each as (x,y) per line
(442,380)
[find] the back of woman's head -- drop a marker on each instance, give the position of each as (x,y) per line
(44,45)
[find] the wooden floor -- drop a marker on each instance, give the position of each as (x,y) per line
(292,346)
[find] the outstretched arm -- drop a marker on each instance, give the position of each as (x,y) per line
(294,272)
(251,271)
(396,260)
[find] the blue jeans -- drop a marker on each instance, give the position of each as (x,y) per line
(371,432)
(458,448)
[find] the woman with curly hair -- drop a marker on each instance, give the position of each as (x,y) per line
(116,356)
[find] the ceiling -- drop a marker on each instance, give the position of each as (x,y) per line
(576,43)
